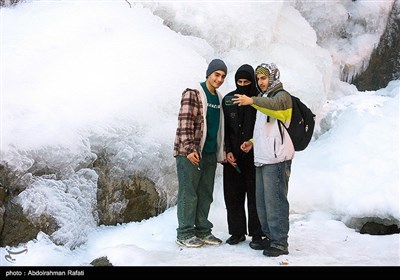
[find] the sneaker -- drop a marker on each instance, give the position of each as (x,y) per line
(211,240)
(259,244)
(235,239)
(274,252)
(192,242)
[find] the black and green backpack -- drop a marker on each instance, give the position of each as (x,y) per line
(302,124)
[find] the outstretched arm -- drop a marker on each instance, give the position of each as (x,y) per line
(242,99)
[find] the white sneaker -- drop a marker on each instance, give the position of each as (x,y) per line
(211,240)
(192,242)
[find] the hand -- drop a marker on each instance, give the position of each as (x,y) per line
(194,158)
(242,99)
(246,146)
(231,159)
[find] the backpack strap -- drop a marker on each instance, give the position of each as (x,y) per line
(278,121)
(280,129)
(272,95)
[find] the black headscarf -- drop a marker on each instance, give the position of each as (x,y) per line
(246,71)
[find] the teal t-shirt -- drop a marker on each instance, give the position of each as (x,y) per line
(213,115)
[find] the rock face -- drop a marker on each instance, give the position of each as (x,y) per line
(120,199)
(6,3)
(19,229)
(15,228)
(384,65)
(123,199)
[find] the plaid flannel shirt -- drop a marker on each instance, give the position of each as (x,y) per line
(190,124)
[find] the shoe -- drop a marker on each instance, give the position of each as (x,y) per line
(256,238)
(235,239)
(274,252)
(192,242)
(211,240)
(259,244)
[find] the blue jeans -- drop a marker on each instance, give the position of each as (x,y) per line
(195,195)
(272,182)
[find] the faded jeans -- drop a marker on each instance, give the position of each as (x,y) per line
(195,195)
(272,181)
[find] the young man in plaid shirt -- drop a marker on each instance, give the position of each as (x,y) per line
(199,145)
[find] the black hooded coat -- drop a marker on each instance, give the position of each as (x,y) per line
(239,120)
(239,125)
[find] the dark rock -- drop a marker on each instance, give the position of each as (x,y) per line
(19,229)
(384,64)
(103,261)
(378,229)
(124,198)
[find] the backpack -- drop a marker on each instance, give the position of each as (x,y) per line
(301,126)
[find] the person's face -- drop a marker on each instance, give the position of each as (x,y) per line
(243,82)
(216,79)
(262,81)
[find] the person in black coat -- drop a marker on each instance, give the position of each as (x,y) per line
(239,171)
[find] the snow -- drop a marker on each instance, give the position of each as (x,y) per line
(78,77)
